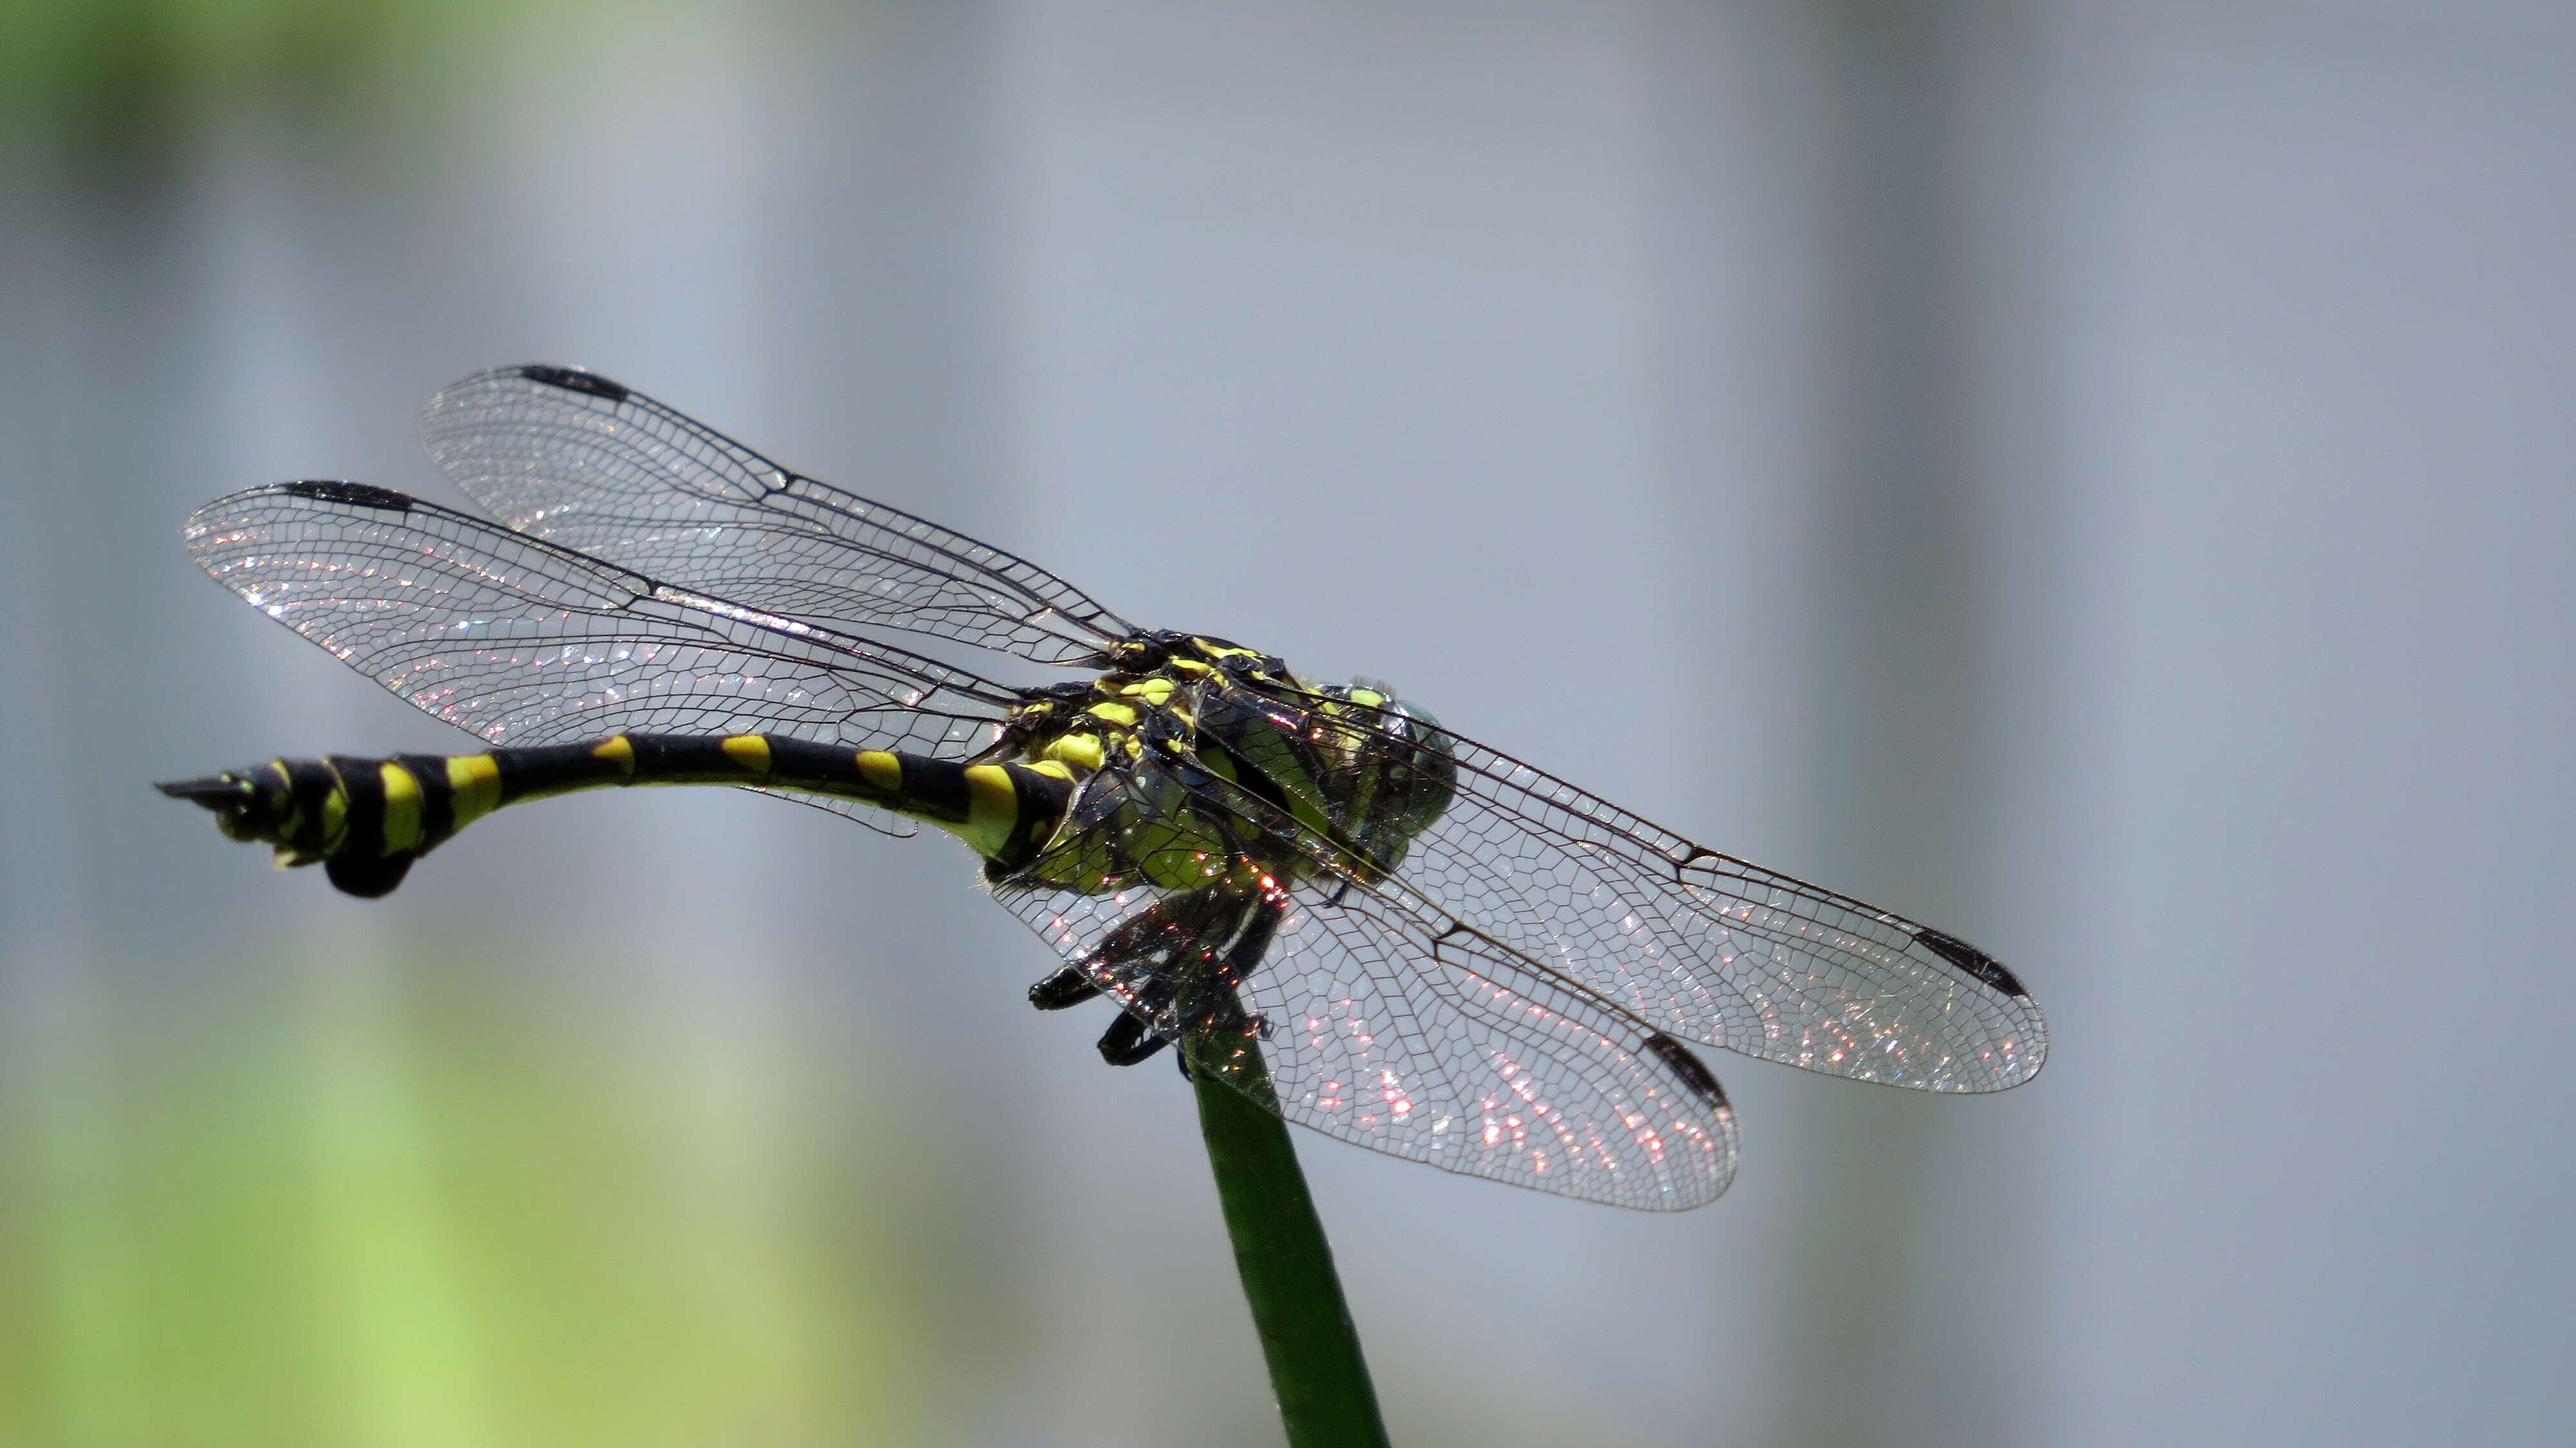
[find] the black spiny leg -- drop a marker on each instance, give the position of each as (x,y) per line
(1155,932)
(1126,1042)
(1220,1011)
(1070,986)
(1193,952)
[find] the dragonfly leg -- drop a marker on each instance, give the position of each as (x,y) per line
(1127,1041)
(1070,986)
(1218,1007)
(1185,957)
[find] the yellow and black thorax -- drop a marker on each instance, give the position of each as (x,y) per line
(1197,756)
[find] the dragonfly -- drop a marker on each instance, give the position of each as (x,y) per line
(1324,896)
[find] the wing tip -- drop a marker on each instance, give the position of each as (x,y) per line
(2034,1052)
(2021,1063)
(1983,967)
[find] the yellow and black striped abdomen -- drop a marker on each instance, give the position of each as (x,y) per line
(366,820)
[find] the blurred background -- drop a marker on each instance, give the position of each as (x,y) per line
(2095,477)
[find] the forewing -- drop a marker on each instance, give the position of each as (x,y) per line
(518,641)
(1707,947)
(576,459)
(1378,1028)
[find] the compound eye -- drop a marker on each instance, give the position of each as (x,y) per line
(1424,722)
(1427,779)
(1410,722)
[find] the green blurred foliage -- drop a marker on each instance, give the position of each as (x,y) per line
(135,72)
(422,1208)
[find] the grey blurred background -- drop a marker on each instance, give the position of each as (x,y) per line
(2096,477)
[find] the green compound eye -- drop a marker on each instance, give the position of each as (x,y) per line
(1422,775)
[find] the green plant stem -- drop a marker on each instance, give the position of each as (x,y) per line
(1316,1369)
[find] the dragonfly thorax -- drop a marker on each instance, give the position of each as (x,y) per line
(1200,758)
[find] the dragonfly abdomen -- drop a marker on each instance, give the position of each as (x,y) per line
(367,820)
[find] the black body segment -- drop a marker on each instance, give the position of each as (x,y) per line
(368,819)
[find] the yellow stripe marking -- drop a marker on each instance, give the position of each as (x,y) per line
(335,816)
(402,808)
(881,770)
(1119,714)
(295,815)
(1057,768)
(750,751)
(1152,691)
(477,783)
(992,808)
(1082,751)
(618,750)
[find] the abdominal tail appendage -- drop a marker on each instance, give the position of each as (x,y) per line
(364,820)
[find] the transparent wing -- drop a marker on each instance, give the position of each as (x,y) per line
(576,459)
(1705,946)
(518,641)
(1371,1021)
